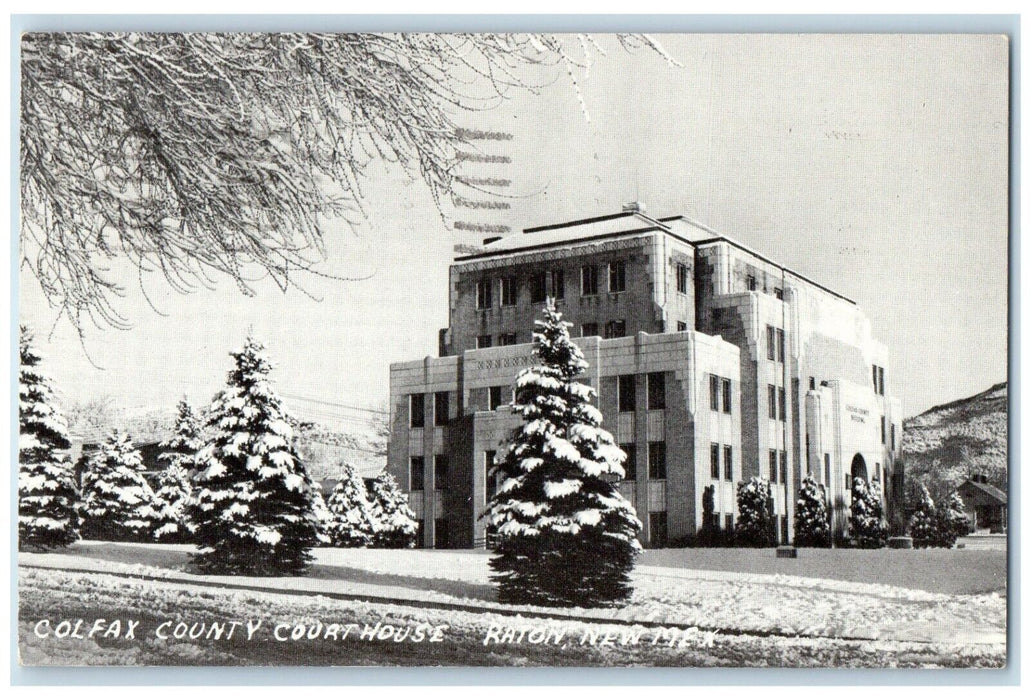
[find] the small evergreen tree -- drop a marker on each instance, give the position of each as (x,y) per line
(867,525)
(923,526)
(756,525)
(170,520)
(174,485)
(46,487)
(353,523)
(255,509)
(565,534)
(951,521)
(394,522)
(812,519)
(117,501)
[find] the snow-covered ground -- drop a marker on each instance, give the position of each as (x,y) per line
(709,599)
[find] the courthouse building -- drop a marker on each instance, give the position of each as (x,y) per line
(713,364)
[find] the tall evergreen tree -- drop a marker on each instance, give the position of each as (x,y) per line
(46,487)
(353,522)
(923,523)
(254,510)
(756,526)
(867,527)
(951,521)
(565,534)
(117,501)
(812,519)
(395,523)
(174,485)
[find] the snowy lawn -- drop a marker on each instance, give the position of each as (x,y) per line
(464,637)
(666,595)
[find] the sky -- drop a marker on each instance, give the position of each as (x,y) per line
(875,165)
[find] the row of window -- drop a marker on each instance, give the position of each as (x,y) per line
(778,467)
(626,392)
(417,409)
(550,283)
(417,473)
(753,286)
(777,402)
(727,451)
(719,388)
(774,343)
(613,329)
(878,380)
(656,461)
(487,341)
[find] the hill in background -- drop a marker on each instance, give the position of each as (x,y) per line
(946,444)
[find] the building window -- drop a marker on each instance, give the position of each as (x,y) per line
(589,329)
(783,467)
(484,296)
(728,463)
(729,522)
(751,283)
(880,381)
(778,292)
(682,278)
(538,287)
(773,466)
(440,472)
(657,529)
(440,533)
(892,437)
(617,276)
(483,341)
(490,476)
(884,432)
(714,392)
(726,396)
(588,280)
(782,403)
(494,397)
(507,339)
(417,410)
(848,481)
(812,383)
(780,345)
(771,343)
(772,400)
(656,391)
(440,408)
(630,464)
(656,460)
(873,370)
(558,284)
(681,326)
(417,474)
(714,461)
(626,390)
(615,329)
(508,291)
(826,469)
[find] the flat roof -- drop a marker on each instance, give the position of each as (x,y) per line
(624,223)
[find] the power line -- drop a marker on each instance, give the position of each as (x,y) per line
(364,409)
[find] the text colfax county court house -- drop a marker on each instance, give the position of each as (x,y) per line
(713,364)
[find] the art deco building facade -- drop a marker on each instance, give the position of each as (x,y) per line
(712,363)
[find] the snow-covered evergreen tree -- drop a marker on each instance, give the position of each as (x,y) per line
(174,485)
(867,526)
(565,534)
(923,523)
(951,521)
(395,524)
(46,487)
(353,522)
(756,526)
(117,501)
(254,509)
(170,500)
(812,520)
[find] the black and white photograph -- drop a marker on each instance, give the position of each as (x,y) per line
(506,349)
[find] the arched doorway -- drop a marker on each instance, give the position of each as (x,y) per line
(859,468)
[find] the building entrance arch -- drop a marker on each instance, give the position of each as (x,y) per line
(859,468)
